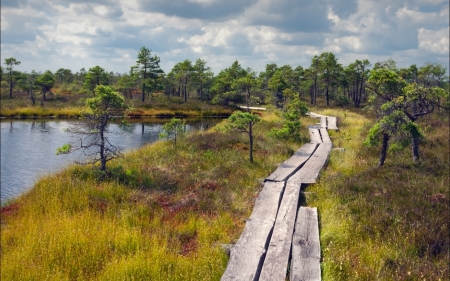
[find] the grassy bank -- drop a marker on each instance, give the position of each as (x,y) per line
(70,106)
(162,214)
(388,223)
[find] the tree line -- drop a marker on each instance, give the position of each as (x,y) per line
(325,78)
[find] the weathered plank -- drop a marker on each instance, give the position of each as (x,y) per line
(277,256)
(325,136)
(314,115)
(305,262)
(290,166)
(310,170)
(314,135)
(332,123)
(268,201)
(323,122)
(247,256)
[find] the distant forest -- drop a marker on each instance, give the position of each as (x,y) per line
(337,84)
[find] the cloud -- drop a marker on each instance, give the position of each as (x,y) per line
(213,10)
(46,34)
(435,41)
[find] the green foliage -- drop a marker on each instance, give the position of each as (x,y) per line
(173,129)
(46,81)
(341,100)
(399,104)
(105,105)
(242,121)
(65,149)
(223,85)
(294,110)
(94,77)
(149,71)
(106,101)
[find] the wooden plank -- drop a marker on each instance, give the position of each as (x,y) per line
(277,256)
(323,122)
(332,123)
(305,262)
(290,166)
(311,169)
(247,256)
(314,115)
(325,136)
(268,201)
(314,135)
(252,108)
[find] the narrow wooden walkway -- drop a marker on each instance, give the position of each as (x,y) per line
(281,238)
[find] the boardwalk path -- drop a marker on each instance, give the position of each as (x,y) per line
(279,235)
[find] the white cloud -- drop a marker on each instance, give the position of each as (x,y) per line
(434,41)
(349,42)
(110,33)
(4,23)
(341,25)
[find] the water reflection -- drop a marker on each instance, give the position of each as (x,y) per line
(28,146)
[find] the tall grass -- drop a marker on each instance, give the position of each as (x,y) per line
(161,213)
(388,223)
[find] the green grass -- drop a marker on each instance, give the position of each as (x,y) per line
(160,214)
(388,223)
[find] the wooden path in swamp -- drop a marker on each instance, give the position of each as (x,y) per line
(281,238)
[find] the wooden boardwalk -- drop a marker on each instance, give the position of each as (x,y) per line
(280,234)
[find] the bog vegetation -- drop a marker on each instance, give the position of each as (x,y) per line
(164,211)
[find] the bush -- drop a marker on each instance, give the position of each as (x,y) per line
(341,100)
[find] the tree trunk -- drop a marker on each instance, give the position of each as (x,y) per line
(143,92)
(250,135)
(248,100)
(384,149)
(33,100)
(327,98)
(102,146)
(415,148)
(10,85)
(315,93)
(185,89)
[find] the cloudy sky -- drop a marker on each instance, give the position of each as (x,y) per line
(50,34)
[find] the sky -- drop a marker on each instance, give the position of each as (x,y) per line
(52,34)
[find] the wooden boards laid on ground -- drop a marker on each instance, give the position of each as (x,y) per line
(305,262)
(247,256)
(310,170)
(290,166)
(323,122)
(277,256)
(324,135)
(331,123)
(278,233)
(314,135)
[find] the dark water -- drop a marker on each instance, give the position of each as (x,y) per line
(28,147)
